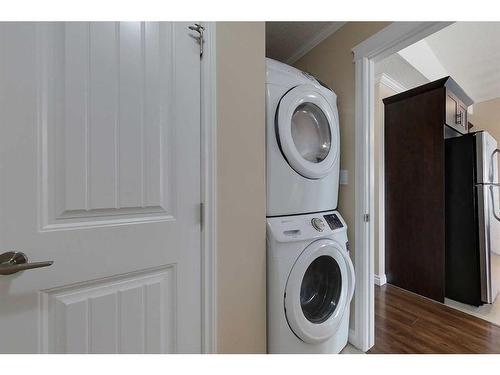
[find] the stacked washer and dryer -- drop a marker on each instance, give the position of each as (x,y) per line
(310,274)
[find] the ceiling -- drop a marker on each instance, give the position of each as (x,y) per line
(289,41)
(469,52)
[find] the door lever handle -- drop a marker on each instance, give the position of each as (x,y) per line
(15,261)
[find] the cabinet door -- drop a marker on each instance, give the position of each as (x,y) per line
(456,113)
(451,109)
(462,117)
(414,178)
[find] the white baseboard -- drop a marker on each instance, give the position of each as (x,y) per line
(380,279)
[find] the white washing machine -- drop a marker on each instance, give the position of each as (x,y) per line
(310,283)
(302,142)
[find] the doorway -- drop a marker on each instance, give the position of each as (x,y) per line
(411,50)
(379,46)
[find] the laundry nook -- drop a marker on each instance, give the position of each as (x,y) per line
(309,271)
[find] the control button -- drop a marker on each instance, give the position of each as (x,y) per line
(318,224)
(333,221)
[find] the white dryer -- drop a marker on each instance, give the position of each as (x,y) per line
(303,142)
(310,283)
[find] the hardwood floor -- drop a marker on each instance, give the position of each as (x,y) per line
(411,324)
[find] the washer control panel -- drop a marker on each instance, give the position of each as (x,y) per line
(305,227)
(333,221)
(318,224)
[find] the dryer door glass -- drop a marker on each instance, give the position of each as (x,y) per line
(311,132)
(320,289)
(307,131)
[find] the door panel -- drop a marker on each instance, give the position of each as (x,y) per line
(451,109)
(456,113)
(100,132)
(106,134)
(76,319)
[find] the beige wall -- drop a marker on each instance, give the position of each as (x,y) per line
(241,187)
(486,116)
(331,61)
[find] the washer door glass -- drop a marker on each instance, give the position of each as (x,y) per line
(311,132)
(320,289)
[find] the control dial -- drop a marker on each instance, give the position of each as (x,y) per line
(318,224)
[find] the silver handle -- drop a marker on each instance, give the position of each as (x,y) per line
(491,174)
(493,200)
(15,261)
(493,184)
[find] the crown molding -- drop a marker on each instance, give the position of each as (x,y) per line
(388,81)
(314,41)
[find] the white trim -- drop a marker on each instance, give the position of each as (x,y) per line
(394,38)
(364,204)
(313,42)
(391,39)
(209,190)
(388,81)
(379,279)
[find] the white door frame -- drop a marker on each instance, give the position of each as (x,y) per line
(391,39)
(209,190)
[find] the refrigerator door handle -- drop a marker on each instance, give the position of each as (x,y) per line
(492,185)
(491,171)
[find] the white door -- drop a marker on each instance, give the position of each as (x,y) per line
(100,173)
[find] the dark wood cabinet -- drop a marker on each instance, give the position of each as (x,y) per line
(415,123)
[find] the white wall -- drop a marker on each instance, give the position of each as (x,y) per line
(384,87)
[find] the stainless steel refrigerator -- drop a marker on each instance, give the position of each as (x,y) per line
(472,222)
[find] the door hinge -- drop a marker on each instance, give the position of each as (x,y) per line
(202,213)
(366,218)
(199,29)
